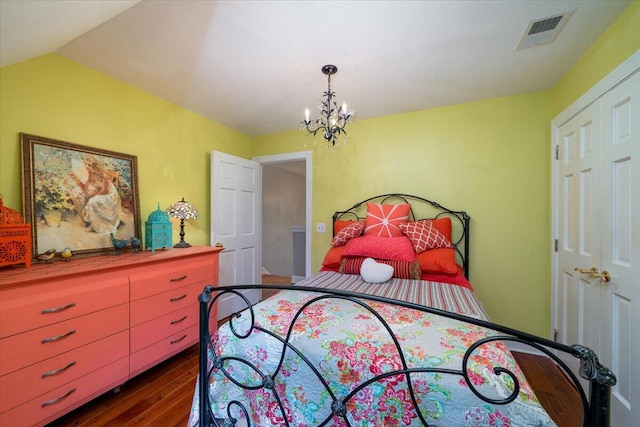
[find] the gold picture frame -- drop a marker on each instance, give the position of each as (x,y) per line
(76,196)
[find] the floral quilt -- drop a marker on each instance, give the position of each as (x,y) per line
(348,345)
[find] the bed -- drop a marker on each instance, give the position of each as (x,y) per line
(388,333)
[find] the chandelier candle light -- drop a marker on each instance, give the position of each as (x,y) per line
(182,210)
(333,119)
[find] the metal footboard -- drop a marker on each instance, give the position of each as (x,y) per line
(595,408)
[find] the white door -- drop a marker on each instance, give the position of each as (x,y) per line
(578,228)
(235,223)
(620,251)
(598,217)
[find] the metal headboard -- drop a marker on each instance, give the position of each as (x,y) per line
(426,209)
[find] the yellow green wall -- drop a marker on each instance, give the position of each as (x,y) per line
(56,98)
(617,43)
(490,158)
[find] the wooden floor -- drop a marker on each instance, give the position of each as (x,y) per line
(553,389)
(161,396)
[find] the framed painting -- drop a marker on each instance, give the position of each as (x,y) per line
(78,197)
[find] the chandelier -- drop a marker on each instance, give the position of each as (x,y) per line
(332,120)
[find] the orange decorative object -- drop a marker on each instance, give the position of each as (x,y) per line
(15,238)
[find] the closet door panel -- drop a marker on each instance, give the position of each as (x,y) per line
(578,247)
(620,242)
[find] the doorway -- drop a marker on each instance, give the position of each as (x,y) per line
(286,214)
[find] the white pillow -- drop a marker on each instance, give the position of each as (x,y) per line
(375,272)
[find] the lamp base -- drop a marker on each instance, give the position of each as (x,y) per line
(182,244)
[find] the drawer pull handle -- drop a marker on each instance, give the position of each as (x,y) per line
(173,322)
(178,298)
(59,337)
(58,309)
(58,399)
(179,339)
(59,370)
(177,279)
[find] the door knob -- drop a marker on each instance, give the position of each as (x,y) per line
(594,272)
(604,276)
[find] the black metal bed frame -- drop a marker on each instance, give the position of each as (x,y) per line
(595,410)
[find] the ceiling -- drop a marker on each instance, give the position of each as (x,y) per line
(255,65)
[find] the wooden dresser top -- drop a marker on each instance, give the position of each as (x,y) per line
(19,275)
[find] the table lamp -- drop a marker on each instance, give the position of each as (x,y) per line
(182,210)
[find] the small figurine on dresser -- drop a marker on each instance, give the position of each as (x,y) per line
(66,254)
(119,244)
(47,256)
(135,244)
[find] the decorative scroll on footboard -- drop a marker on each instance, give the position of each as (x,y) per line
(401,322)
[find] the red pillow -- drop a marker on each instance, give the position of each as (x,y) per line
(396,248)
(339,224)
(352,230)
(444,226)
(424,235)
(454,279)
(333,256)
(383,220)
(401,269)
(438,261)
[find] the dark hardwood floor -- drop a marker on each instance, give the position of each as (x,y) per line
(161,396)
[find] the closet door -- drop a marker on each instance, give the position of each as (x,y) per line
(620,247)
(597,292)
(578,227)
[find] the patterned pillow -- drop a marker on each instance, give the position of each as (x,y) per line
(383,220)
(424,235)
(401,269)
(348,233)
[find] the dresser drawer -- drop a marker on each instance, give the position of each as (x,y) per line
(158,305)
(163,349)
(27,308)
(173,275)
(18,351)
(35,380)
(154,330)
(51,405)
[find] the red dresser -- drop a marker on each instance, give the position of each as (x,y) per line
(70,331)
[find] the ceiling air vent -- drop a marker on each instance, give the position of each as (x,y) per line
(543,31)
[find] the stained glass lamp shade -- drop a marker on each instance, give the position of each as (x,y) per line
(182,210)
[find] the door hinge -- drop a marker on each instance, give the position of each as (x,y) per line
(555,245)
(557,153)
(555,335)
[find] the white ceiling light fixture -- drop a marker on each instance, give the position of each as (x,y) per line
(333,119)
(543,31)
